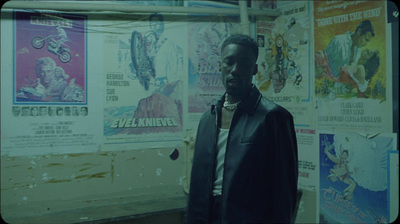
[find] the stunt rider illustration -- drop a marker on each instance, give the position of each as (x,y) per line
(56,44)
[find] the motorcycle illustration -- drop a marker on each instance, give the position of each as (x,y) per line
(54,46)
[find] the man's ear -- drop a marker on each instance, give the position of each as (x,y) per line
(255,69)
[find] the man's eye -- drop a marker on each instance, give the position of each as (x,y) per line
(228,63)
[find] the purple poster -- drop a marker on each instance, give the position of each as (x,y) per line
(50,58)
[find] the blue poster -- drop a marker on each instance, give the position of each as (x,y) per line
(354,178)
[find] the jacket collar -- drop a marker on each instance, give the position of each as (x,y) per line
(249,103)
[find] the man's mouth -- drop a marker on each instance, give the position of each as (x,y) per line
(232,82)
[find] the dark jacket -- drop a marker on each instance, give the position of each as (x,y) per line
(260,170)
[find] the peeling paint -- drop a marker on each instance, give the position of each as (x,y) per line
(52,181)
(13,166)
(90,176)
(158,171)
(83,169)
(112,168)
(54,164)
(45,177)
(159,153)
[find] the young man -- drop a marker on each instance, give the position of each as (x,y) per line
(245,159)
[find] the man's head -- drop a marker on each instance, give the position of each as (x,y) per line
(238,64)
(363,33)
(84,111)
(44,69)
(157,23)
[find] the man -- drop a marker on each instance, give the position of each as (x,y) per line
(345,49)
(38,90)
(43,111)
(44,69)
(245,158)
(84,111)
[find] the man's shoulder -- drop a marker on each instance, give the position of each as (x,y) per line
(268,106)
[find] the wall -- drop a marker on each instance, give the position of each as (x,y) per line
(55,168)
(130,155)
(90,186)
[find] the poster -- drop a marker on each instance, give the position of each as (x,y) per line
(50,59)
(44,106)
(308,159)
(205,37)
(393,175)
(308,179)
(143,75)
(354,177)
(284,65)
(352,84)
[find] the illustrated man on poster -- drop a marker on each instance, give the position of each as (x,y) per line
(38,89)
(344,49)
(155,58)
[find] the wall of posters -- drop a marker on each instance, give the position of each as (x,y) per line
(128,90)
(351,69)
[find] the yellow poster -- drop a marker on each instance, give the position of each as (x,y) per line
(350,66)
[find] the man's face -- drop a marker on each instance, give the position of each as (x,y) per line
(43,111)
(238,65)
(157,25)
(16,110)
(364,39)
(45,74)
(83,111)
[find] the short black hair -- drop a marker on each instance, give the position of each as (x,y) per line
(241,39)
(372,65)
(366,26)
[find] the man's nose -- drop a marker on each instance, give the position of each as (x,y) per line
(235,68)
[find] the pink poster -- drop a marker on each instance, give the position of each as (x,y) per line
(50,58)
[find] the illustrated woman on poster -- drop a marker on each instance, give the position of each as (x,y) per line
(346,48)
(343,49)
(359,74)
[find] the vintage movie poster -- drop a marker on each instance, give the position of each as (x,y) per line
(352,78)
(144,80)
(308,180)
(50,58)
(284,74)
(205,37)
(354,177)
(393,160)
(44,106)
(308,159)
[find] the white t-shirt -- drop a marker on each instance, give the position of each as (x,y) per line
(219,170)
